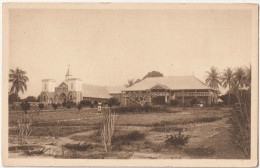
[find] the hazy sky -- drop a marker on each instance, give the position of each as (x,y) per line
(108,47)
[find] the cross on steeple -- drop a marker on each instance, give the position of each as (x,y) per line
(68,74)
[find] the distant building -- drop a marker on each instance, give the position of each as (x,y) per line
(180,88)
(72,89)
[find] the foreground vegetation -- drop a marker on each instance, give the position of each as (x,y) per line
(177,133)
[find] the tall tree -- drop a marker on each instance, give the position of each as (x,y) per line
(153,74)
(18,80)
(213,78)
(130,83)
(227,79)
(248,76)
(240,77)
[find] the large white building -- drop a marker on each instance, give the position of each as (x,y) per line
(72,89)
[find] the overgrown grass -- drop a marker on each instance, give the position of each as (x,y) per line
(200,151)
(119,140)
(191,121)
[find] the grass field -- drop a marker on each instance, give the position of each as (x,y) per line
(76,134)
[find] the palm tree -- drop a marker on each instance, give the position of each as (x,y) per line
(131,82)
(248,76)
(227,79)
(213,78)
(240,77)
(18,79)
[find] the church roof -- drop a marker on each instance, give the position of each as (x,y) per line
(95,91)
(170,82)
(115,89)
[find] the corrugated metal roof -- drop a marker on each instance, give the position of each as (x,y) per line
(172,82)
(95,91)
(115,89)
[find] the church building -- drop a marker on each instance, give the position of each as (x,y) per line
(71,89)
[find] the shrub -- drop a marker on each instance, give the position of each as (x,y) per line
(91,105)
(174,102)
(108,129)
(25,106)
(85,103)
(24,128)
(240,122)
(55,106)
(70,104)
(41,106)
(36,151)
(79,106)
(177,140)
(64,104)
(113,102)
(79,146)
(133,136)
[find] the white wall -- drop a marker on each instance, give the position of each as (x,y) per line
(50,86)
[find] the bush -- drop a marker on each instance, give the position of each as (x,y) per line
(78,146)
(79,106)
(85,103)
(174,102)
(91,105)
(133,136)
(177,140)
(64,104)
(55,106)
(41,106)
(36,151)
(113,102)
(25,106)
(240,121)
(138,108)
(70,104)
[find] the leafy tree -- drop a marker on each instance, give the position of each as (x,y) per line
(227,80)
(41,106)
(130,83)
(18,80)
(55,106)
(13,98)
(213,78)
(30,99)
(25,106)
(113,102)
(153,74)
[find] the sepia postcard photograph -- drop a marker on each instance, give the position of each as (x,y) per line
(130,84)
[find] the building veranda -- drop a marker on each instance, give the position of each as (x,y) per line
(164,89)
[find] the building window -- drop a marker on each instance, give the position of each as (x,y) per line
(72,86)
(45,86)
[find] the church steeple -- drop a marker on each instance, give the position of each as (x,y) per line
(68,74)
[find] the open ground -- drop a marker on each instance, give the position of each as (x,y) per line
(137,135)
